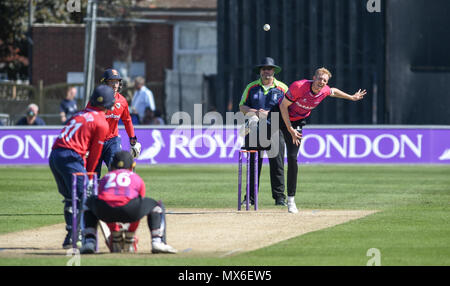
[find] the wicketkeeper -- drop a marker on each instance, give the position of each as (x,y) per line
(121,199)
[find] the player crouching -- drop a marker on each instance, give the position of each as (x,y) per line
(121,199)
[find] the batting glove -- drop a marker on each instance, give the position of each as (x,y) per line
(135,150)
(89,192)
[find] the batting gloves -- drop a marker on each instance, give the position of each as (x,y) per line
(136,150)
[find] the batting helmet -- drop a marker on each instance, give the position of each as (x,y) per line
(110,74)
(103,95)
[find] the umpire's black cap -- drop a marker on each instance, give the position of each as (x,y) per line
(267,62)
(122,160)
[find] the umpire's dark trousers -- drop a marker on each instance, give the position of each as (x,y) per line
(276,164)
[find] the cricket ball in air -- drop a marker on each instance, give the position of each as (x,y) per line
(266,27)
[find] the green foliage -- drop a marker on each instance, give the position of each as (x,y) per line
(14,22)
(12,37)
(14,32)
(50,11)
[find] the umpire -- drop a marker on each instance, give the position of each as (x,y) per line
(259,98)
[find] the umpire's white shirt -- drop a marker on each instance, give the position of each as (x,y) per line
(142,99)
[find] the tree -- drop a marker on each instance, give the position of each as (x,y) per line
(125,42)
(14,40)
(13,60)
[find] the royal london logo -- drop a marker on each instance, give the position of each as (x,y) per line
(151,152)
(445,155)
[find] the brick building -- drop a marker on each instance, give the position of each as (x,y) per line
(147,49)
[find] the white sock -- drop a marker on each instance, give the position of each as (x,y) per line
(156,239)
(291,200)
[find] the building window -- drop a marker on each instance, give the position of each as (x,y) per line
(128,73)
(195,47)
(76,77)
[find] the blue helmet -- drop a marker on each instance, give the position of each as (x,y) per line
(110,74)
(103,95)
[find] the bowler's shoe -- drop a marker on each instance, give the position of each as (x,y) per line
(292,208)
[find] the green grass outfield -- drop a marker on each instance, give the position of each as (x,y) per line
(412,227)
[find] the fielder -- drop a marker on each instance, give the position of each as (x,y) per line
(85,132)
(301,98)
(121,198)
(112,145)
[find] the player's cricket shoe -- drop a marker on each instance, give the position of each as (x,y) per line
(280,202)
(160,247)
(244,202)
(67,244)
(89,246)
(292,208)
